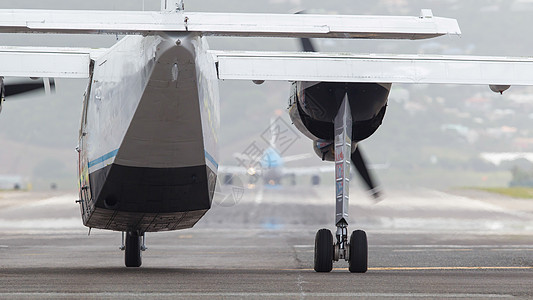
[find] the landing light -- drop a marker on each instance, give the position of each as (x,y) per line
(251,171)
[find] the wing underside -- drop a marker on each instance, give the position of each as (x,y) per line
(46,62)
(297,66)
(332,67)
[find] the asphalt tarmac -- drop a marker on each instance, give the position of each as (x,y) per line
(422,244)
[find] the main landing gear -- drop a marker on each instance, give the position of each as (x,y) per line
(356,251)
(133,243)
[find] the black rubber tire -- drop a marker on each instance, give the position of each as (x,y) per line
(358,252)
(132,253)
(323,251)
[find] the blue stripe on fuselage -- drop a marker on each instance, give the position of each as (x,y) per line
(103,158)
(211,159)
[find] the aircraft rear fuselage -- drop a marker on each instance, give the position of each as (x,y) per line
(148,139)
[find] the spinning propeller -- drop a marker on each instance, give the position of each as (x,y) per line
(359,162)
(20,88)
(12,89)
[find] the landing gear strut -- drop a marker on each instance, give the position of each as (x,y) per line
(133,243)
(356,251)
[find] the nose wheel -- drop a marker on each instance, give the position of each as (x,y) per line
(356,252)
(358,247)
(133,245)
(323,251)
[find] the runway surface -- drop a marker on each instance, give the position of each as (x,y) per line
(422,244)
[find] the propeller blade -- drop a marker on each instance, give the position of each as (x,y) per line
(20,88)
(356,157)
(307,44)
(361,166)
(49,85)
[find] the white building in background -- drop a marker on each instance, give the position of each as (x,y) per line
(498,158)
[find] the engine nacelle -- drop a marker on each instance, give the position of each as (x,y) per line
(499,88)
(324,149)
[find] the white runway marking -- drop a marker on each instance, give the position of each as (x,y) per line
(300,286)
(259,196)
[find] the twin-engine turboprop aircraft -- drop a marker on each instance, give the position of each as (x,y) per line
(148,154)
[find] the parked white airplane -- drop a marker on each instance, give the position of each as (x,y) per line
(148,154)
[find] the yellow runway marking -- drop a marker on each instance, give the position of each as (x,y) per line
(435,250)
(517,249)
(447,268)
(425,268)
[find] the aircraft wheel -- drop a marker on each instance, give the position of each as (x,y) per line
(358,252)
(132,253)
(228,179)
(323,251)
(315,180)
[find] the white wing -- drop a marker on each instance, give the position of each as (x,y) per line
(234,24)
(46,62)
(332,67)
(240,170)
(41,62)
(297,157)
(329,168)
